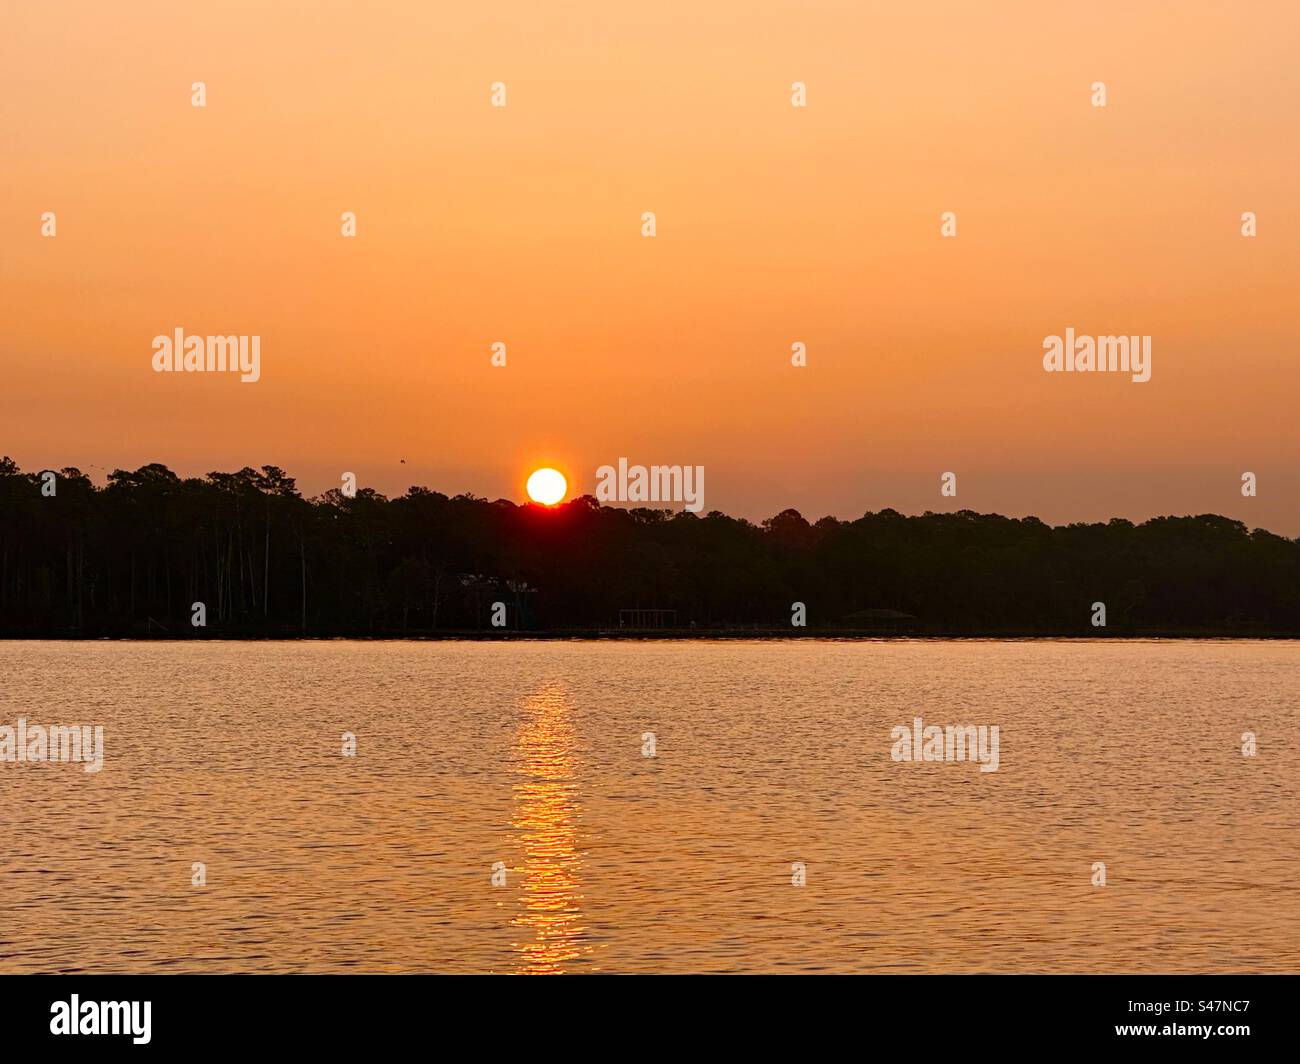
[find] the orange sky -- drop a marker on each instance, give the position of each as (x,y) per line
(775,225)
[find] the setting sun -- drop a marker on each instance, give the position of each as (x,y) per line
(547,486)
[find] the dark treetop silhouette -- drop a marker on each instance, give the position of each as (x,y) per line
(133,557)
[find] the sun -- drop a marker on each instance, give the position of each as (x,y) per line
(547,486)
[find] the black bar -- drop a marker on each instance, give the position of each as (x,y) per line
(610,1016)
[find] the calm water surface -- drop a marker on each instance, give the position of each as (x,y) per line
(768,754)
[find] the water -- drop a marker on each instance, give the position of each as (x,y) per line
(768,753)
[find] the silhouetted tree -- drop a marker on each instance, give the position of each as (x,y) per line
(132,557)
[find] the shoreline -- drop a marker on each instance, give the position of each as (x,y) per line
(665,635)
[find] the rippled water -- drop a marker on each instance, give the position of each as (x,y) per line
(530,754)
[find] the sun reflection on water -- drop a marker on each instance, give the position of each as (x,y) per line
(546,813)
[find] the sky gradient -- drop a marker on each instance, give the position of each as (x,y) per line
(776,224)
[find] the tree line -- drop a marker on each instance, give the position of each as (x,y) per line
(134,557)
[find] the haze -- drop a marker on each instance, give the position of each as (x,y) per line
(776,224)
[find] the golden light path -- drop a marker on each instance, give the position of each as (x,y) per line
(546,813)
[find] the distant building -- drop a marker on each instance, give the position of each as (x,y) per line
(641,619)
(882,620)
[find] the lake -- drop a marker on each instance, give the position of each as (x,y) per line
(773,764)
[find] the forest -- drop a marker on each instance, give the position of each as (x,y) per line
(133,558)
